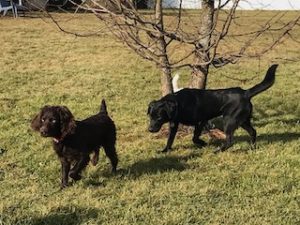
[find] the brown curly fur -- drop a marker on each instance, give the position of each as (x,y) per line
(74,141)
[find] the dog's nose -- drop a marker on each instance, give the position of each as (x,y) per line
(43,132)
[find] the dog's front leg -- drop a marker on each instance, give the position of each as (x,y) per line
(65,168)
(78,167)
(172,132)
(197,132)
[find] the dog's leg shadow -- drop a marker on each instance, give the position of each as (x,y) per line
(161,164)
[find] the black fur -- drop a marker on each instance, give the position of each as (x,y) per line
(74,141)
(195,107)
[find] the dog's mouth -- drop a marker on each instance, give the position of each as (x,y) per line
(154,126)
(154,129)
(45,134)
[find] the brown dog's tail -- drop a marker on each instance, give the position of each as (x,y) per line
(103,107)
(265,84)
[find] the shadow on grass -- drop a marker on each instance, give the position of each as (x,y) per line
(159,165)
(270,138)
(167,162)
(273,137)
(69,215)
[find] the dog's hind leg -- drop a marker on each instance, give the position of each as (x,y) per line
(251,131)
(197,132)
(229,128)
(78,167)
(95,157)
(172,133)
(111,153)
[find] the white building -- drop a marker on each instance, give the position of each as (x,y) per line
(243,5)
(186,4)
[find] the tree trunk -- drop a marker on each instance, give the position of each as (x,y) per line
(199,77)
(166,82)
(166,78)
(200,71)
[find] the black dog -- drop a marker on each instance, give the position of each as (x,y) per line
(195,107)
(74,141)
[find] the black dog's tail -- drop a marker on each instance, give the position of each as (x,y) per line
(103,107)
(265,84)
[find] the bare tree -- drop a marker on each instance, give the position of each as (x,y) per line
(202,53)
(166,78)
(179,38)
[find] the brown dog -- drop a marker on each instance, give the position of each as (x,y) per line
(73,141)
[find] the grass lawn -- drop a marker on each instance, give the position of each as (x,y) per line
(40,65)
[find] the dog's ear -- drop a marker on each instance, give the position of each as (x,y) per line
(67,121)
(150,107)
(171,108)
(36,121)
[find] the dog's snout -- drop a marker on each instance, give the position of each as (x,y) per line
(43,131)
(150,129)
(154,128)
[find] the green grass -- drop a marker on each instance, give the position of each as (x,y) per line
(40,65)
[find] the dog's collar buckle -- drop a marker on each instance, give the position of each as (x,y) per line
(57,140)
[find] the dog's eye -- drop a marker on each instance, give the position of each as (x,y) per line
(53,121)
(43,120)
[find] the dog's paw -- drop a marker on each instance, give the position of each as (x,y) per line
(218,150)
(165,150)
(63,185)
(253,146)
(113,170)
(199,143)
(75,176)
